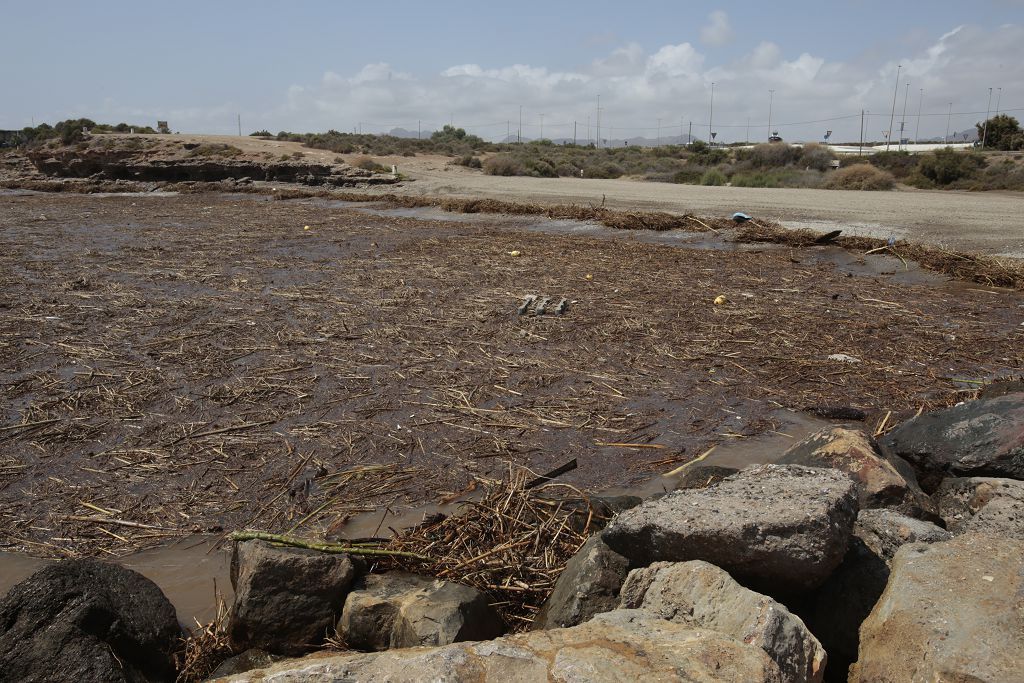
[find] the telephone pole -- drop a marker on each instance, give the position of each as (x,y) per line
(239,125)
(903,117)
(999,98)
(520,134)
(949,115)
(892,116)
(771,102)
(861,132)
(573,133)
(659,133)
(542,126)
(599,122)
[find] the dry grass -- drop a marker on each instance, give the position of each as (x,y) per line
(205,648)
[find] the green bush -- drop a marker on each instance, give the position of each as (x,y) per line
(945,166)
(368,164)
(860,177)
(713,177)
(769,155)
(899,164)
(815,156)
(469,161)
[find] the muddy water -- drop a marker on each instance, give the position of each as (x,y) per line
(188,572)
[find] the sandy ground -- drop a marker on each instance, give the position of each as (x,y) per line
(987,222)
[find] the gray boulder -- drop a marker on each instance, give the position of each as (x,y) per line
(952,611)
(624,645)
(883,482)
(986,504)
(84,620)
(287,600)
(589,585)
(837,609)
(702,596)
(983,438)
(777,528)
(397,610)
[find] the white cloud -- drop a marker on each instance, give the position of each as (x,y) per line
(717,31)
(638,86)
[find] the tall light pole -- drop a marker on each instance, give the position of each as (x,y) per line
(903,116)
(542,126)
(711,115)
(988,109)
(519,135)
(771,102)
(999,99)
(659,133)
(917,129)
(599,122)
(892,116)
(949,115)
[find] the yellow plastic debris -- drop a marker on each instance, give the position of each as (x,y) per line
(720,300)
(589,276)
(515,253)
(305,227)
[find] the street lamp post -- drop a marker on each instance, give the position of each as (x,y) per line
(988,109)
(917,129)
(711,115)
(892,116)
(771,102)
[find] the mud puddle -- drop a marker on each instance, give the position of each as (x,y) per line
(187,571)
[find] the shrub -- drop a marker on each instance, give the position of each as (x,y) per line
(469,161)
(713,177)
(769,155)
(690,175)
(945,166)
(368,164)
(504,165)
(900,164)
(209,149)
(261,134)
(818,157)
(860,177)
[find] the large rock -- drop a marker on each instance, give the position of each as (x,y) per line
(986,504)
(589,585)
(624,645)
(952,611)
(837,609)
(883,482)
(84,620)
(983,438)
(405,610)
(287,600)
(778,528)
(701,595)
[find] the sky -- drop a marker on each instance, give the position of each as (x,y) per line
(371,66)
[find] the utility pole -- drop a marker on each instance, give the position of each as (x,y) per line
(520,134)
(771,102)
(419,128)
(748,130)
(689,134)
(903,117)
(599,122)
(508,131)
(659,132)
(949,115)
(573,133)
(861,132)
(589,139)
(999,98)
(917,130)
(892,116)
(984,134)
(239,125)
(711,115)
(542,126)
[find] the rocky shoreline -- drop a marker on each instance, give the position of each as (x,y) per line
(833,565)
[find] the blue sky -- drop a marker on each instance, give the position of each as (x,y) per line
(319,65)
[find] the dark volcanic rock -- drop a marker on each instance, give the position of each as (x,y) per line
(396,610)
(983,438)
(287,600)
(84,620)
(589,585)
(778,528)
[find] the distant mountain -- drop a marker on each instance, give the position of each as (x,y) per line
(403,133)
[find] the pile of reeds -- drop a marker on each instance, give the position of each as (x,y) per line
(512,543)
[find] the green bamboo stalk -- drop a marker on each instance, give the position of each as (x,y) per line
(322,547)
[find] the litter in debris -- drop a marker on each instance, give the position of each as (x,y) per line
(720,300)
(741,217)
(843,358)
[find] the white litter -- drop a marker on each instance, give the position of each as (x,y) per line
(843,358)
